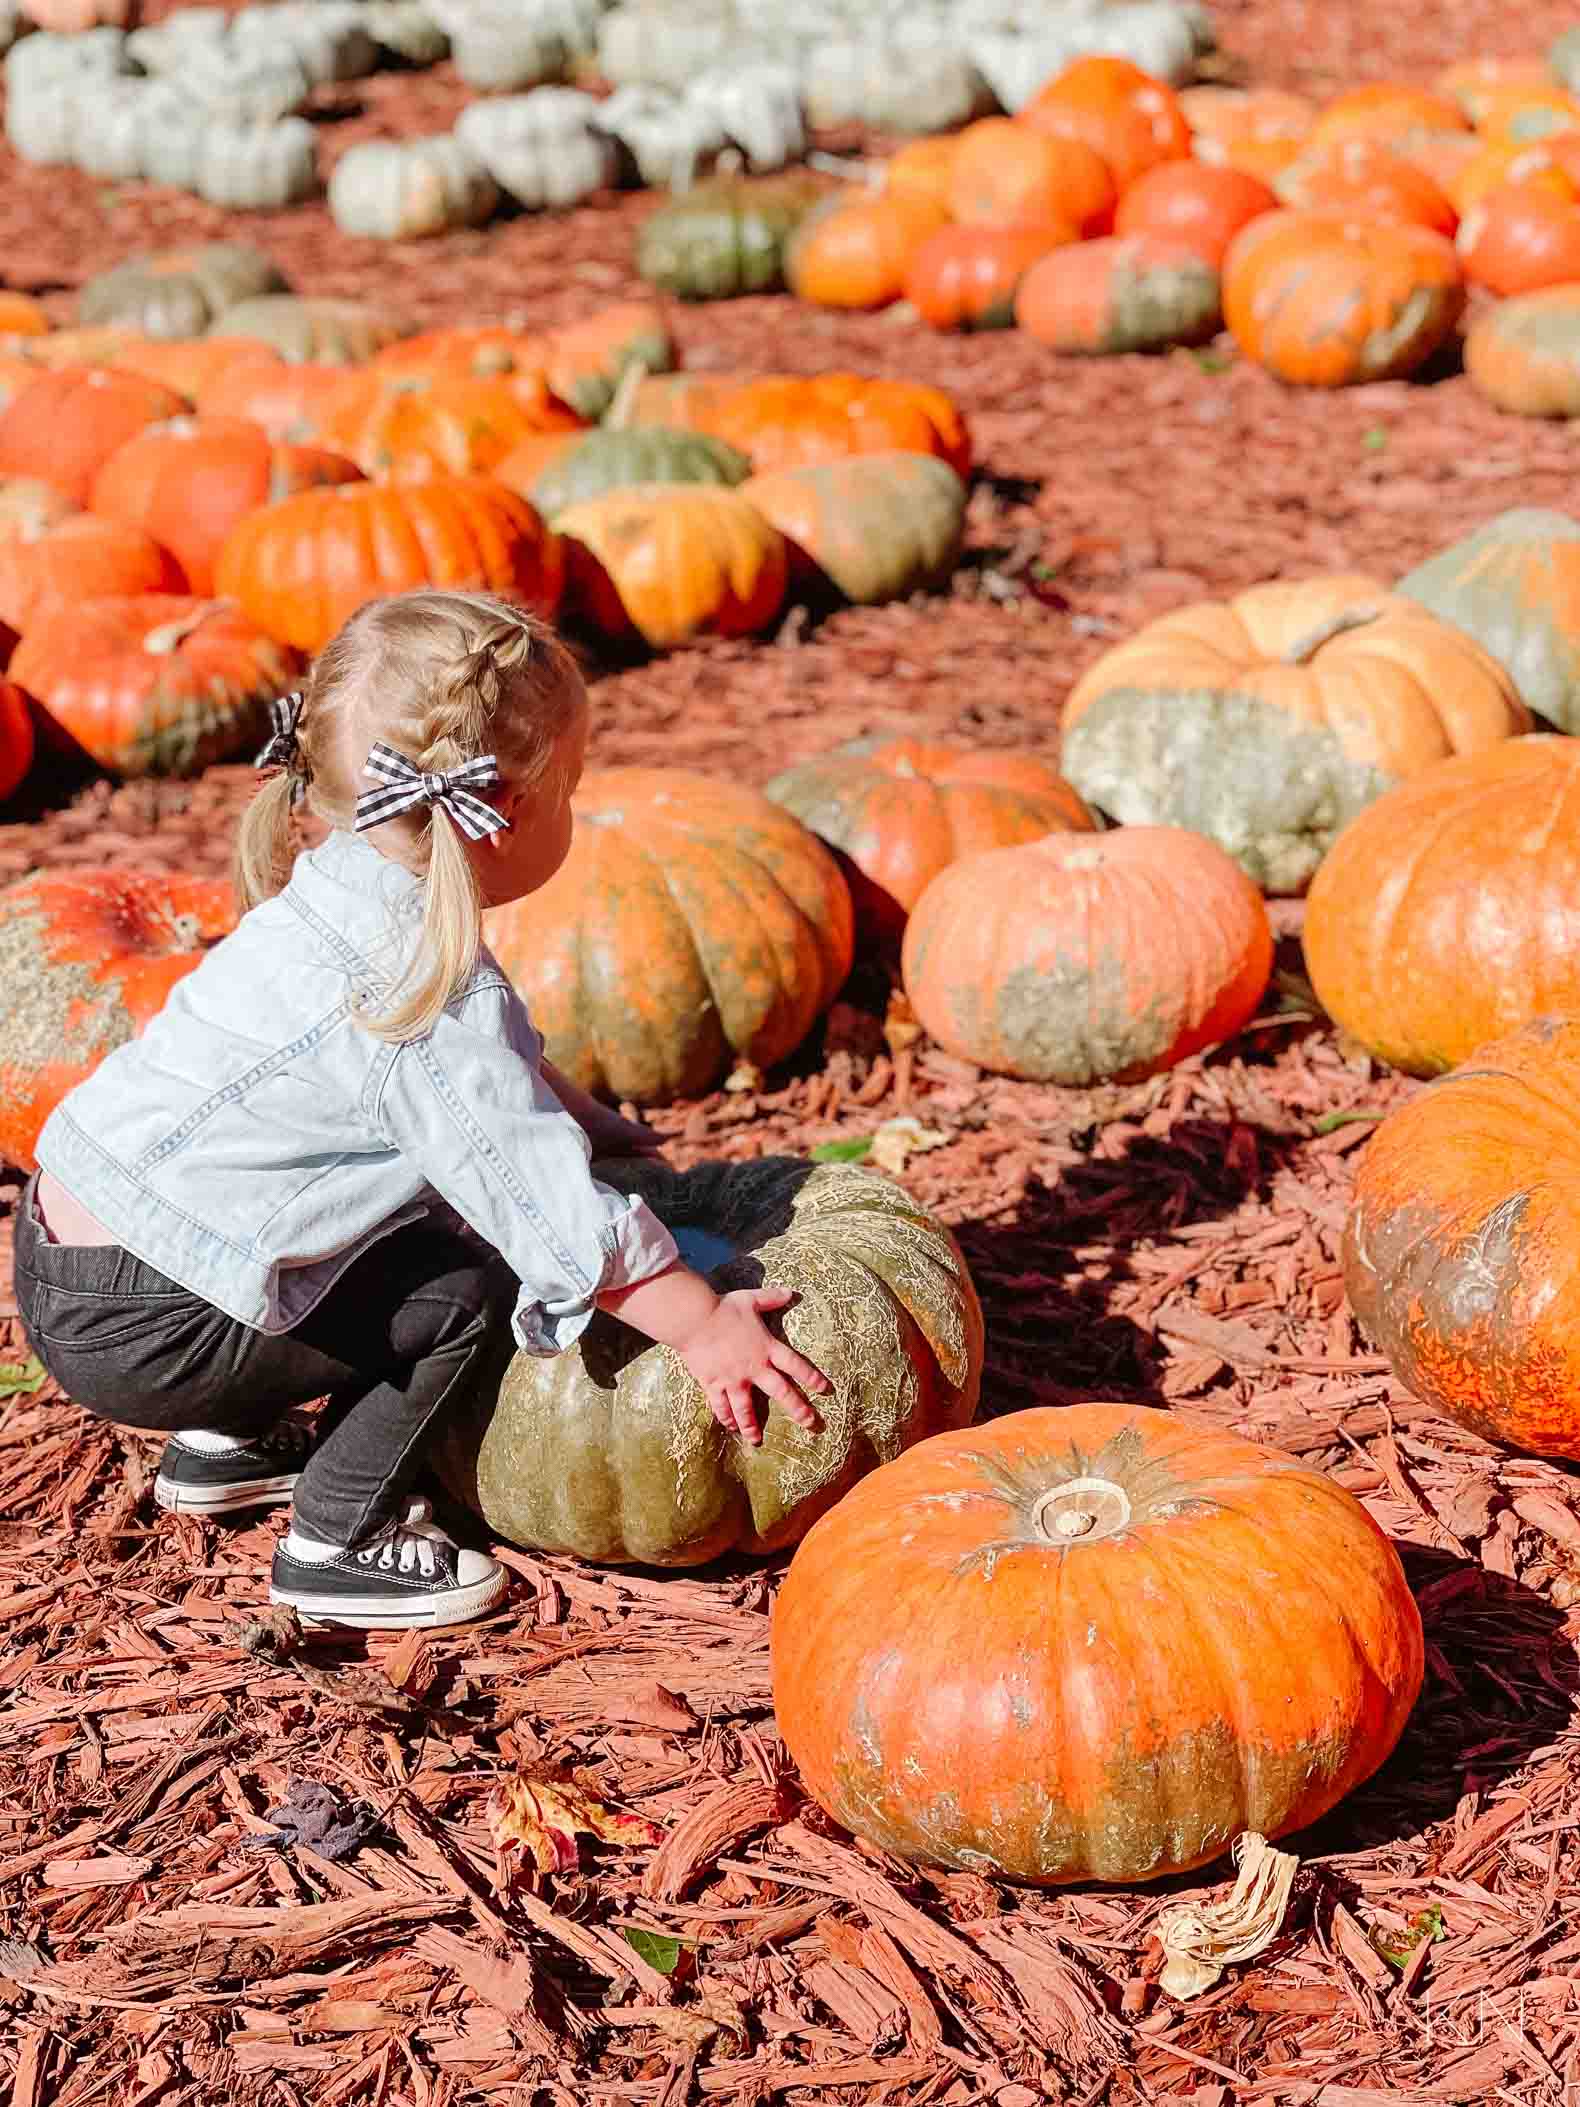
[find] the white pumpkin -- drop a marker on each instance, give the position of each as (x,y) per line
(165,47)
(670,141)
(406,30)
(896,86)
(41,121)
(402,193)
(44,58)
(759,109)
(541,149)
(652,43)
(502,51)
(242,86)
(170,136)
(329,42)
(113,122)
(257,168)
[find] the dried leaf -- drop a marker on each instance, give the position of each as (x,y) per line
(540,1819)
(1201,1940)
(898,1140)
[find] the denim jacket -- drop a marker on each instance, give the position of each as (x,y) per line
(255,1139)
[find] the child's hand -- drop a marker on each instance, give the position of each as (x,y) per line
(734,1353)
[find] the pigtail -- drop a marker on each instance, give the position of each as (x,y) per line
(264,853)
(452,934)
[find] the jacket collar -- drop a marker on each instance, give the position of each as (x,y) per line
(346,875)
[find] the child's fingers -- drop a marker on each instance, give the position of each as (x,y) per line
(743,1412)
(799,1368)
(771,1298)
(784,1393)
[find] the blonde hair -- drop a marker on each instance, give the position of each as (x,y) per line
(442,677)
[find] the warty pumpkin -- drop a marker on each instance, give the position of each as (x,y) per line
(303,566)
(156,683)
(1449,912)
(1523,353)
(1044,1684)
(671,561)
(1132,119)
(86,959)
(1268,721)
(1085,958)
(1194,203)
(1462,1251)
(1362,180)
(1004,173)
(898,811)
(967,277)
(692,922)
(608,1451)
(1126,292)
(1523,237)
(78,558)
(64,425)
(874,527)
(1324,302)
(1514,585)
(854,252)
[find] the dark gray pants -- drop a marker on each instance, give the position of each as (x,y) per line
(402,1328)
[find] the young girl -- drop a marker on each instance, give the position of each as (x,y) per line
(237,1212)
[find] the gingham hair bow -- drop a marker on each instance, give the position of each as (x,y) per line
(405,786)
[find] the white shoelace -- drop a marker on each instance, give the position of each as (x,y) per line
(408,1544)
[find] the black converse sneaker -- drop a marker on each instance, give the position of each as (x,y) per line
(209,1474)
(411,1573)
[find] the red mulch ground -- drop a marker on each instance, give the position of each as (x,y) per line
(1175,1243)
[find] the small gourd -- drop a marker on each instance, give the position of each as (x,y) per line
(408,191)
(258,168)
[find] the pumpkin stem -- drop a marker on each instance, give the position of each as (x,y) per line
(1081,1508)
(170,636)
(1308,646)
(636,371)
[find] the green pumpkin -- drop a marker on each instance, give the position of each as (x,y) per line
(1514,585)
(649,453)
(178,292)
(609,1451)
(726,238)
(875,527)
(313,332)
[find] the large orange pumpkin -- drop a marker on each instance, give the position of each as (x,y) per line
(924,165)
(290,402)
(1083,958)
(1194,203)
(158,684)
(1448,913)
(1362,180)
(692,921)
(1387,112)
(1523,353)
(65,425)
(787,422)
(304,566)
(967,277)
(1132,119)
(898,812)
(90,955)
(190,365)
(1125,292)
(1259,130)
(406,430)
(1462,1254)
(855,252)
(1004,173)
(189,482)
(1523,237)
(671,561)
(1096,1643)
(1324,302)
(81,558)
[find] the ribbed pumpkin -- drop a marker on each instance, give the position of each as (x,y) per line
(1084,958)
(608,1451)
(854,252)
(189,482)
(1514,585)
(998,1703)
(302,567)
(1004,174)
(1449,913)
(1269,720)
(1126,292)
(586,361)
(1194,203)
(967,277)
(692,921)
(1324,302)
(671,561)
(313,332)
(1385,112)
(86,958)
(1522,238)
(898,811)
(16,738)
(158,684)
(406,430)
(560,469)
(64,426)
(81,558)
(1524,353)
(784,421)
(875,527)
(177,293)
(1462,1254)
(192,364)
(726,238)
(289,402)
(1133,120)
(1362,180)
(463,351)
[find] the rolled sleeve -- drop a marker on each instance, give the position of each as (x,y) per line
(468,1105)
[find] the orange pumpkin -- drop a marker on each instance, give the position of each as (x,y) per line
(1462,1253)
(22,316)
(1523,353)
(1005,173)
(1088,958)
(289,402)
(1362,180)
(1476,84)
(854,252)
(493,351)
(407,430)
(898,812)
(1126,292)
(187,483)
(30,508)
(1323,302)
(1445,914)
(1133,120)
(16,743)
(1386,112)
(90,957)
(81,558)
(1226,121)
(1194,203)
(158,684)
(780,421)
(963,1676)
(302,567)
(671,561)
(192,364)
(586,361)
(1447,158)
(966,277)
(65,425)
(924,165)
(1517,117)
(1522,237)
(692,922)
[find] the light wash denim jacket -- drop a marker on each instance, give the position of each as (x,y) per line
(255,1139)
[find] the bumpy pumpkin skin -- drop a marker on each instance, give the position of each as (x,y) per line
(692,921)
(1462,1252)
(1514,585)
(875,527)
(86,958)
(1042,1686)
(1268,721)
(1088,958)
(609,1450)
(1449,913)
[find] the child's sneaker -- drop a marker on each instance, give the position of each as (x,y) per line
(203,1473)
(411,1573)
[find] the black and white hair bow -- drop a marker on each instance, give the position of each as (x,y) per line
(284,749)
(404,786)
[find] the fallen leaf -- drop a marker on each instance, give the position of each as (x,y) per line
(898,1140)
(540,1819)
(24,1380)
